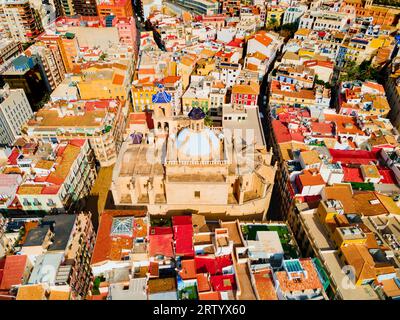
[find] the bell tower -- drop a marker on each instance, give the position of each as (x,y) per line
(162,108)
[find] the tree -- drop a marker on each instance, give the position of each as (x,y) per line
(364,71)
(207,120)
(103,56)
(272,24)
(327,85)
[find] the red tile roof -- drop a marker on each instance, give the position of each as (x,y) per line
(137,118)
(13,271)
(188,269)
(211,264)
(12,159)
(77,142)
(213,295)
(353,156)
(352,174)
(154,269)
(238,43)
(183,235)
(322,128)
(161,242)
(310,178)
(282,133)
(308,281)
(388,176)
(265,285)
(118,79)
(108,247)
(171,79)
(202,282)
(223,282)
(261,36)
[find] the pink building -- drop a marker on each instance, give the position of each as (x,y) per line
(127,32)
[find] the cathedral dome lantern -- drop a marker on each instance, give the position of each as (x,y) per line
(196,116)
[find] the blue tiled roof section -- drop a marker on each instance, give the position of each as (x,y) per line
(196,114)
(161,97)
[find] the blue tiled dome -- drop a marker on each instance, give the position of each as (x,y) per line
(161,97)
(196,114)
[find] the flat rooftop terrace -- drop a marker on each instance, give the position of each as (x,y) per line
(316,230)
(250,232)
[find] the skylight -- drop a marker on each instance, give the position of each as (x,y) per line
(122,226)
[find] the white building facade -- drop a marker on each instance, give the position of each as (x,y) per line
(15,110)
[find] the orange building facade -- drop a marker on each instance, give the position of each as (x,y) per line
(118,8)
(381,15)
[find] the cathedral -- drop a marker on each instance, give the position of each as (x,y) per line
(183,164)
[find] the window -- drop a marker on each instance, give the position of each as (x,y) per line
(197,194)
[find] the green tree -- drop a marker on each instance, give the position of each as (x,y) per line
(207,120)
(363,71)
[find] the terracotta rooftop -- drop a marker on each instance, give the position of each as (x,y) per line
(110,247)
(14,268)
(309,282)
(252,88)
(161,285)
(213,295)
(311,178)
(264,284)
(31,292)
(368,204)
(188,269)
(202,282)
(59,295)
(310,157)
(343,193)
(263,38)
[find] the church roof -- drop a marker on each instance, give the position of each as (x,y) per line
(161,96)
(196,114)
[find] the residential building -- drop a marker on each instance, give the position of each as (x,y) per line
(101,122)
(202,7)
(62,244)
(118,8)
(50,60)
(20,20)
(85,7)
(293,13)
(15,110)
(25,73)
(9,49)
(55,176)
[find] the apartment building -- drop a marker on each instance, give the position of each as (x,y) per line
(101,122)
(25,73)
(346,225)
(118,8)
(50,60)
(15,110)
(85,7)
(63,244)
(9,49)
(20,20)
(55,175)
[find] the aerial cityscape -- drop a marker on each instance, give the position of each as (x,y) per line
(199,150)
